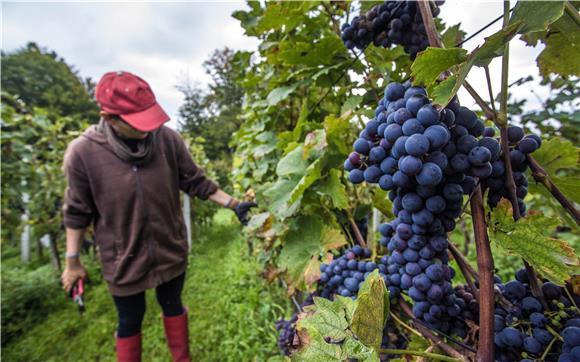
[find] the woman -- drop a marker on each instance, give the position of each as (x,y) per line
(124,176)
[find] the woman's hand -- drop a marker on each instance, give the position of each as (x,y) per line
(72,272)
(241,211)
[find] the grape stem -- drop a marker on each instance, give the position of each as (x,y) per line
(405,325)
(541,176)
(357,233)
(431,356)
(554,333)
(543,358)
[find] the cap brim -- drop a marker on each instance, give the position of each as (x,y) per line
(147,120)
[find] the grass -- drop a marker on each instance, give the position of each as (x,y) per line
(232,311)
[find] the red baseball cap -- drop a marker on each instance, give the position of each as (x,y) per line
(131,98)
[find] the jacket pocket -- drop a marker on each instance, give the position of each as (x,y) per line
(109,254)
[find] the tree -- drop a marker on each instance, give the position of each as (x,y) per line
(213,114)
(41,78)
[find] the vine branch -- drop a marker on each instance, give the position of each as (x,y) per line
(357,234)
(541,176)
(485,347)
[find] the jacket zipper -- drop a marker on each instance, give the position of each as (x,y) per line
(145,214)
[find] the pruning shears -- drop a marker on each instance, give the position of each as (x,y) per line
(77,293)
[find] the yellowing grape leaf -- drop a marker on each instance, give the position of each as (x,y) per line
(371,312)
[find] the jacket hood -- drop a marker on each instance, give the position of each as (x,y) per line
(94,135)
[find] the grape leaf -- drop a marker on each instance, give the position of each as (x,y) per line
(336,137)
(326,51)
(311,175)
(279,94)
(351,104)
(354,349)
(286,15)
(329,319)
(293,163)
(536,15)
(333,188)
(381,202)
(277,195)
(307,237)
(431,62)
(317,350)
(444,91)
(301,242)
(558,155)
(562,49)
(530,238)
(371,312)
(452,36)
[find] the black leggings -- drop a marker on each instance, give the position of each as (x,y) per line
(131,309)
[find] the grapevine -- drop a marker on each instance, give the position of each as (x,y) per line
(388,24)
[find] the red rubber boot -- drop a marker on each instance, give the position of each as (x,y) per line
(128,348)
(177,334)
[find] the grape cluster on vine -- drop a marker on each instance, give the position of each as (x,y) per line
(527,330)
(427,159)
(345,274)
(388,24)
(520,145)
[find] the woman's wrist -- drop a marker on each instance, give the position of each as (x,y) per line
(232,203)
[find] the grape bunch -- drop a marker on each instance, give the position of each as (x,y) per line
(391,23)
(427,159)
(526,329)
(286,332)
(520,146)
(345,274)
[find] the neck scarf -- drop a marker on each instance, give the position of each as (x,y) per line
(145,148)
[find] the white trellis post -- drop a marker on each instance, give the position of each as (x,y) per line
(187,217)
(25,240)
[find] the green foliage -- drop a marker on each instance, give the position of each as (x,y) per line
(300,115)
(431,62)
(531,239)
(30,292)
(33,149)
(558,32)
(213,113)
(40,78)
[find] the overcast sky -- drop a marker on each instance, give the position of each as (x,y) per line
(166,42)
